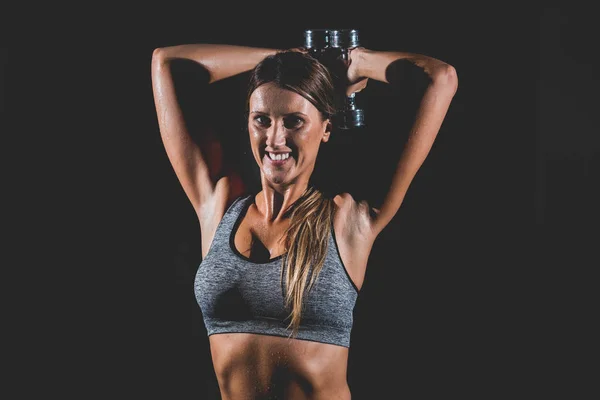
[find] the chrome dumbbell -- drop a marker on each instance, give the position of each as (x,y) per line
(332,48)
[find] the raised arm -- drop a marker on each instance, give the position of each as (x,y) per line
(443,83)
(196,175)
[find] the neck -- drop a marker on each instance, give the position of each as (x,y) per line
(273,201)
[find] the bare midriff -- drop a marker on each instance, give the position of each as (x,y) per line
(253,367)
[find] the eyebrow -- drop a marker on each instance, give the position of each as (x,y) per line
(292,113)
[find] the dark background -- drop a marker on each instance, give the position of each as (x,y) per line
(477,289)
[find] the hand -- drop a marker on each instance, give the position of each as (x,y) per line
(356,82)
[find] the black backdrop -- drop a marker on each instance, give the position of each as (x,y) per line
(470,292)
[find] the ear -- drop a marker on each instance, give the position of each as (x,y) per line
(328,129)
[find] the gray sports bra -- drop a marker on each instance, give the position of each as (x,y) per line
(239,295)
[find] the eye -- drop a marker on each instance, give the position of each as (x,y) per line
(262,120)
(293,122)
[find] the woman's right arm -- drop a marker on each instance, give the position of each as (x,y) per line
(195,174)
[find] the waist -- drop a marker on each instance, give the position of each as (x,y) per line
(276,367)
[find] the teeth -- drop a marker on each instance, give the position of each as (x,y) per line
(278,157)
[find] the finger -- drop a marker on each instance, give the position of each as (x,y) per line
(356,87)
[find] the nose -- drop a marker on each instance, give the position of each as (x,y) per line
(276,136)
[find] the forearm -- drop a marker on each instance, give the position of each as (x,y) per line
(434,104)
(375,65)
(220,60)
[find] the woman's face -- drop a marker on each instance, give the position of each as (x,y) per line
(286,131)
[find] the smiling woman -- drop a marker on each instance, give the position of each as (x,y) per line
(286,128)
(282,268)
(283,124)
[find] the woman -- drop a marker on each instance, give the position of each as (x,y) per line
(281,269)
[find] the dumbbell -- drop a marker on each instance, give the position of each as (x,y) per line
(332,48)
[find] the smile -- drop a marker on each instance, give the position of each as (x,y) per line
(277,159)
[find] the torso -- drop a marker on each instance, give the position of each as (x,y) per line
(251,366)
(270,367)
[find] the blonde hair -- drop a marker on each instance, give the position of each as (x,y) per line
(306,242)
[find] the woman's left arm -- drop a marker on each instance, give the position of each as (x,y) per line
(443,83)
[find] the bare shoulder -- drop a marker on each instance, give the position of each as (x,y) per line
(226,190)
(354,234)
(354,217)
(213,208)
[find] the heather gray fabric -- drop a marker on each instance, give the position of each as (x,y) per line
(237,295)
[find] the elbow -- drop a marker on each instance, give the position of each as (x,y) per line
(445,76)
(158,57)
(157,53)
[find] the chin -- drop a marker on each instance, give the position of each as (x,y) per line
(277,180)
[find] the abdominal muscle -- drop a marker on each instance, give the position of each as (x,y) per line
(251,366)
